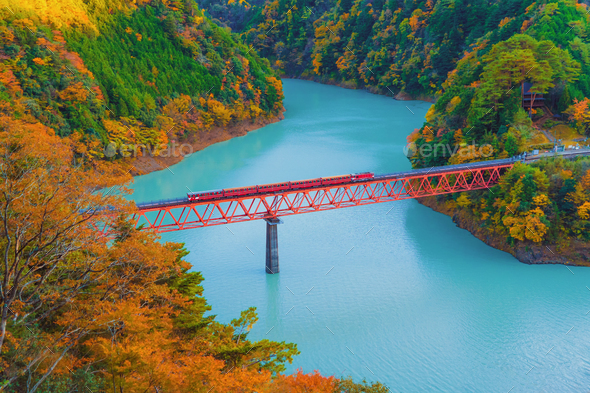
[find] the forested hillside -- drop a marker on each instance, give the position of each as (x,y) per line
(115,72)
(474,59)
(402,46)
(81,311)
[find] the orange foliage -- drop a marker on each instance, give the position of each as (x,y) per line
(74,93)
(77,62)
(505,21)
(278,86)
(111,295)
(428,134)
(306,383)
(414,21)
(8,79)
(585,182)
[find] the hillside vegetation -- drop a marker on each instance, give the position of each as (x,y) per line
(81,311)
(115,72)
(473,58)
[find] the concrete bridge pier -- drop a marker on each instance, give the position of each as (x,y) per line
(272,245)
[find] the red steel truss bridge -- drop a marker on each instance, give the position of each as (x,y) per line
(179,214)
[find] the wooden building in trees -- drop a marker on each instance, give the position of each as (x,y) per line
(531,99)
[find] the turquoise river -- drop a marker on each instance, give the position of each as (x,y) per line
(391,292)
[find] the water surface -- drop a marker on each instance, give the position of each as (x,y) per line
(390,292)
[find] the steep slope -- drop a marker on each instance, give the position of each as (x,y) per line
(130,76)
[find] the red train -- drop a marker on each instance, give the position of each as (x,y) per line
(277,187)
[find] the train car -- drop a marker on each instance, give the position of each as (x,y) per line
(328,181)
(295,185)
(204,196)
(239,191)
(362,176)
(276,187)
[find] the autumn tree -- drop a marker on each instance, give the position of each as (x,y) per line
(579,113)
(82,310)
(51,253)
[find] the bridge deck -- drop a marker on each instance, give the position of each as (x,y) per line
(415,173)
(180,214)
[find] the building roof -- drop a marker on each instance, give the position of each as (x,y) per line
(527,87)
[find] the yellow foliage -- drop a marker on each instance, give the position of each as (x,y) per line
(584,211)
(541,200)
(118,133)
(59,13)
(528,226)
(451,205)
(255,111)
(149,136)
(470,153)
(165,123)
(183,103)
(431,114)
(536,230)
(25,24)
(579,196)
(459,137)
(453,104)
(6,34)
(463,200)
(217,111)
(278,86)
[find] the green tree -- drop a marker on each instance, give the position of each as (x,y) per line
(511,144)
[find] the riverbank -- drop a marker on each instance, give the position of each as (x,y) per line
(576,253)
(146,164)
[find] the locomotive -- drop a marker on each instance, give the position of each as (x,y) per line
(278,187)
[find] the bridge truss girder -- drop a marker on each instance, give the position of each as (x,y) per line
(239,209)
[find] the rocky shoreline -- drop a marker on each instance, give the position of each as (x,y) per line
(576,253)
(145,164)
